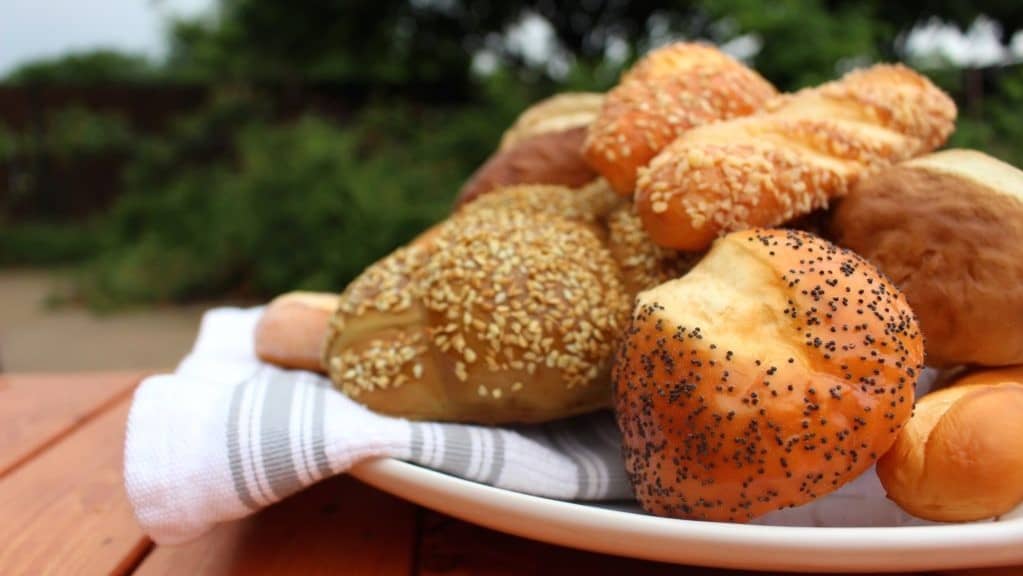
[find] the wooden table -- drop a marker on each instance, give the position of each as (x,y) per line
(63,510)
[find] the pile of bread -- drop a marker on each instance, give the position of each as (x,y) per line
(622,251)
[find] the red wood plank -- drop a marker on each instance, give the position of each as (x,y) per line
(38,410)
(338,526)
(65,511)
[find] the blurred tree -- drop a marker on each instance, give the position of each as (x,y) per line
(435,41)
(361,40)
(94,67)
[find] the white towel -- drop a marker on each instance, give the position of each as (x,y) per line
(226,435)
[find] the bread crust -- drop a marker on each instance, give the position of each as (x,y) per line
(543,146)
(669,91)
(549,158)
(803,150)
(776,370)
(953,243)
(960,457)
(501,314)
(644,264)
(292,330)
(559,113)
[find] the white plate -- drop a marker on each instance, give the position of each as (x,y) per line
(626,531)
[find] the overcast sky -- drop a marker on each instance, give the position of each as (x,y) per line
(31,29)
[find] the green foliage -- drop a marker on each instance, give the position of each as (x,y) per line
(380,41)
(996,126)
(94,67)
(241,199)
(45,244)
(8,143)
(76,132)
(299,204)
(805,42)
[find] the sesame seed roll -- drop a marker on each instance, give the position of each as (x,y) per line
(506,312)
(804,149)
(669,91)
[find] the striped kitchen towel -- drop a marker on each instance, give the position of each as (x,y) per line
(226,435)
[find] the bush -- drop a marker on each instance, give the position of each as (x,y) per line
(92,67)
(43,244)
(995,127)
(303,204)
(75,132)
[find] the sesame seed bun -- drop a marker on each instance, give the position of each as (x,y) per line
(948,230)
(667,92)
(500,314)
(803,150)
(589,204)
(644,264)
(960,457)
(778,369)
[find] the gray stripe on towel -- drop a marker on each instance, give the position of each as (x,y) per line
(417,442)
(275,435)
(319,432)
(498,457)
(457,451)
(234,450)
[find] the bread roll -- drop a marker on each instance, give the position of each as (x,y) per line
(542,147)
(778,369)
(292,330)
(498,316)
(644,264)
(803,150)
(948,230)
(293,327)
(667,92)
(589,204)
(960,457)
(559,113)
(551,158)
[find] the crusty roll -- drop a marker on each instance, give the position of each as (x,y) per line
(559,113)
(542,147)
(948,230)
(292,330)
(669,91)
(960,457)
(644,264)
(779,368)
(497,316)
(551,158)
(804,149)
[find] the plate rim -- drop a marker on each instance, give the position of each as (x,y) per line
(904,547)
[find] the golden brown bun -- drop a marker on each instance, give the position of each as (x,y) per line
(547,158)
(590,203)
(669,91)
(559,113)
(644,264)
(804,149)
(292,330)
(499,315)
(960,457)
(948,230)
(779,368)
